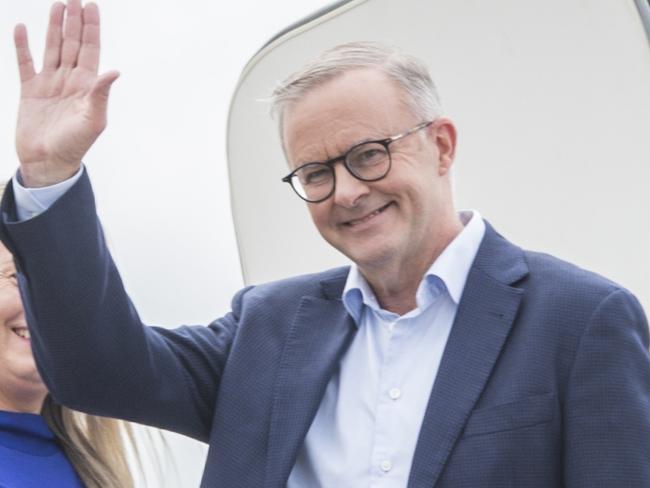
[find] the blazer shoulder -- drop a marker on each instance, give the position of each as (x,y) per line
(325,284)
(549,267)
(560,283)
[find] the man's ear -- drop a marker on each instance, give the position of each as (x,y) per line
(444,133)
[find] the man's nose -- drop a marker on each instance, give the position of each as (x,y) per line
(349,190)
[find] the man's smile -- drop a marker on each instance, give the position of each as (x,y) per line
(368,217)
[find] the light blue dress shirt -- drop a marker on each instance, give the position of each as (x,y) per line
(367,425)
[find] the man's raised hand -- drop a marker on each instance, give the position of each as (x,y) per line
(62,108)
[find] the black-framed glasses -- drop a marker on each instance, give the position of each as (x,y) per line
(367,161)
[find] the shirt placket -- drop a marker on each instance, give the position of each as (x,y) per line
(386,436)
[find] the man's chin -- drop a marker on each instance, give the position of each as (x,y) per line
(371,258)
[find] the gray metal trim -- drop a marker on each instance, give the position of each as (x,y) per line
(644,12)
(305,20)
(642,5)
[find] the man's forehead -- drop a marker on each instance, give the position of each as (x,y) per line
(354,107)
(356,85)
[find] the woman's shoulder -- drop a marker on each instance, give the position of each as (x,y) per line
(30,454)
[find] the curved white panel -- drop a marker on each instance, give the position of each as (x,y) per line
(552,105)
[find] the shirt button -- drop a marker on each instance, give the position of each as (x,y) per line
(386,466)
(395,393)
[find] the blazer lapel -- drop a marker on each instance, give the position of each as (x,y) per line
(320,334)
(483,321)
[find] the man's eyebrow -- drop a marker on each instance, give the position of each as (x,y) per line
(363,141)
(367,139)
(341,154)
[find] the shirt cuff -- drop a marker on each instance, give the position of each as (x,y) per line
(31,202)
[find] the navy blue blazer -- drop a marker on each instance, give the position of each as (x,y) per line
(545,380)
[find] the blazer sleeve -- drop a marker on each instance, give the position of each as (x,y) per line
(91,348)
(607,408)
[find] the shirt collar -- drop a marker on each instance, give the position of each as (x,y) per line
(450,269)
(453,265)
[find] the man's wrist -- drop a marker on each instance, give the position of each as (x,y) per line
(42,174)
(33,201)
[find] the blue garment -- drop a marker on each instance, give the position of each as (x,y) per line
(30,456)
(544,381)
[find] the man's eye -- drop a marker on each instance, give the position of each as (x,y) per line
(369,156)
(314,176)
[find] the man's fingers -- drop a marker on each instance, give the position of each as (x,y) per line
(89,52)
(52,56)
(98,95)
(71,34)
(25,63)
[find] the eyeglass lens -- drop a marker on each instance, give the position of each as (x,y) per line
(367,162)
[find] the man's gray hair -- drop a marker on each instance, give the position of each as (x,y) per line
(410,74)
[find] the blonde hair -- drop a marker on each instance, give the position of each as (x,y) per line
(93,445)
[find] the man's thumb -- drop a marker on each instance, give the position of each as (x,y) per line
(100,91)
